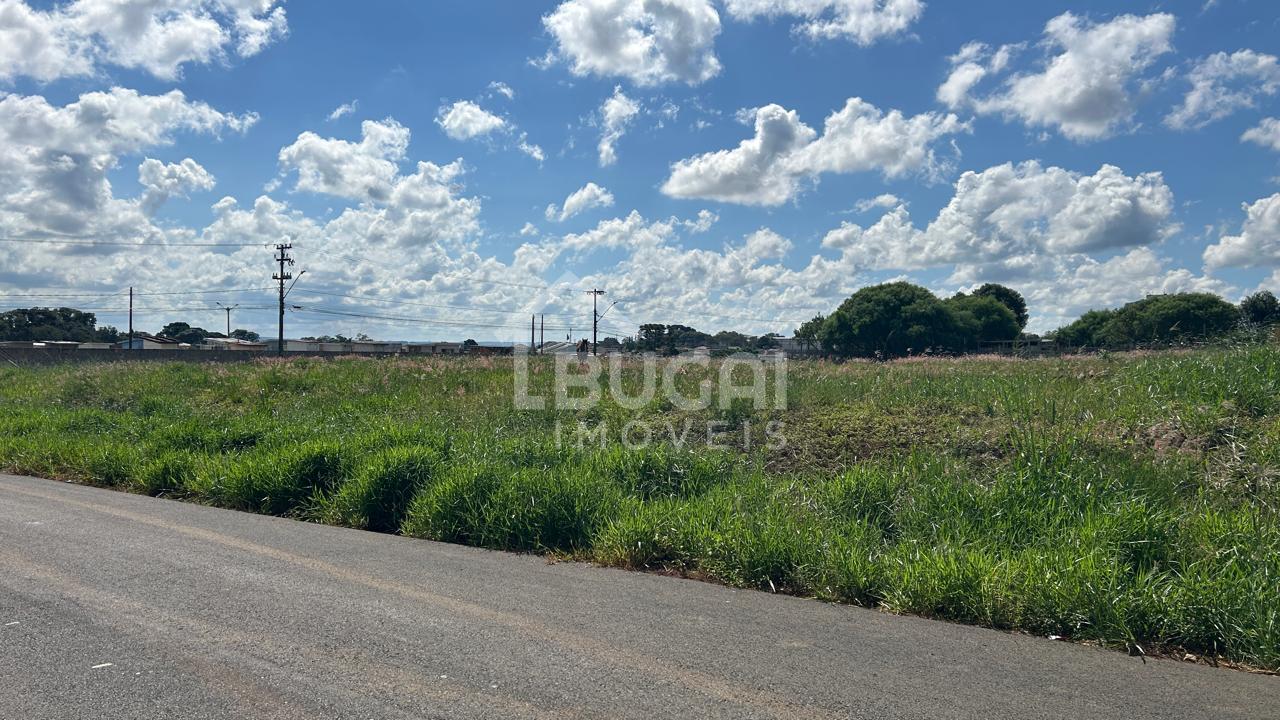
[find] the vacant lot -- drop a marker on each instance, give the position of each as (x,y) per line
(1129,500)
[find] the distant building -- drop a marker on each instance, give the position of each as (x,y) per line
(46,344)
(147,341)
(793,347)
(436,348)
(234,344)
(315,346)
(1029,346)
(490,349)
(559,347)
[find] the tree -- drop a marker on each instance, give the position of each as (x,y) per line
(470,343)
(890,320)
(1085,332)
(246,335)
(184,333)
(983,318)
(1260,308)
(1156,319)
(1172,318)
(730,339)
(683,336)
(651,337)
(37,324)
(1008,297)
(768,341)
(807,334)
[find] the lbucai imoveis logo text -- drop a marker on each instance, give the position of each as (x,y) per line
(692,399)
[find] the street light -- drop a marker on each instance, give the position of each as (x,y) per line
(228,308)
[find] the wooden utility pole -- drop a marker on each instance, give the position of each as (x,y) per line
(131,318)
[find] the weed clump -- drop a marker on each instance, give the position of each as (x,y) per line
(526,509)
(279,480)
(378,495)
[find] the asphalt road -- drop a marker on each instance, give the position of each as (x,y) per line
(119,606)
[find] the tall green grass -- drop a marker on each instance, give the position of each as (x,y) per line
(1126,500)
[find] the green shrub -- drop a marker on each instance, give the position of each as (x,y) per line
(280,480)
(649,535)
(169,471)
(866,494)
(209,435)
(456,507)
(657,471)
(109,465)
(516,509)
(378,496)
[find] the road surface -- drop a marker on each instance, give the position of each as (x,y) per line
(119,606)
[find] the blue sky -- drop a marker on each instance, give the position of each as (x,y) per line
(1134,140)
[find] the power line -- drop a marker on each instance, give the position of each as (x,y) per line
(361,258)
(723,316)
(422,321)
(114,243)
(136,294)
(192,309)
(472,308)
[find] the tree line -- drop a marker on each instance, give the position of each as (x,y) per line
(53,324)
(671,339)
(1167,319)
(68,324)
(886,321)
(900,319)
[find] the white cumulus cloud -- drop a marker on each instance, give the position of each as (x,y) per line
(768,169)
(1018,211)
(1224,83)
(158,36)
(584,198)
(1258,242)
(364,170)
(883,200)
(859,21)
(163,181)
(343,110)
(55,161)
(1086,89)
(649,42)
(464,120)
(616,115)
(1266,134)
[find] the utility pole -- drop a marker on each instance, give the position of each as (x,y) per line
(533,321)
(282,258)
(542,333)
(228,308)
(595,319)
(130,318)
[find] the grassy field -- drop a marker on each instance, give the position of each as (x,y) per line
(1126,500)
